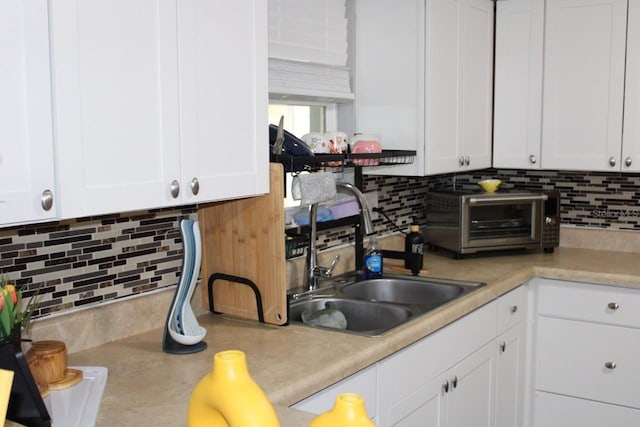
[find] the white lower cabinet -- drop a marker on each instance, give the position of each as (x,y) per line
(469,373)
(555,410)
(587,355)
(510,370)
(363,382)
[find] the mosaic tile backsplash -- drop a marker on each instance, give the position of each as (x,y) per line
(80,263)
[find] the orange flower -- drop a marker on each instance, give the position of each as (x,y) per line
(11,290)
(1,301)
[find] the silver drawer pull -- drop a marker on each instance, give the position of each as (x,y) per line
(503,346)
(514,308)
(610,365)
(613,306)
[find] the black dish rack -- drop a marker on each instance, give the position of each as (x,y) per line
(297,238)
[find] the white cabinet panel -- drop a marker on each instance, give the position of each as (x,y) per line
(553,410)
(517,122)
(510,372)
(223,93)
(470,400)
(591,361)
(631,132)
(116,103)
(584,62)
(604,304)
(158,103)
(426,85)
(363,383)
(26,140)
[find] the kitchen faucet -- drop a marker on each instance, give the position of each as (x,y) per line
(314,271)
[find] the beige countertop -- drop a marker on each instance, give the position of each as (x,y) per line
(147,387)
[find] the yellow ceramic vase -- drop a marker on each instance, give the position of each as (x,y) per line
(347,411)
(228,396)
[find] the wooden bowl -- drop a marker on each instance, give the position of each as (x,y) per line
(52,357)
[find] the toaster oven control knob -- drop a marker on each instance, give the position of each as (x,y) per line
(550,220)
(532,159)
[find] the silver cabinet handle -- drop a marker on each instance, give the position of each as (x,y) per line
(627,161)
(461,161)
(532,159)
(454,382)
(467,161)
(46,200)
(613,306)
(503,346)
(610,365)
(612,161)
(195,186)
(514,308)
(175,189)
(445,387)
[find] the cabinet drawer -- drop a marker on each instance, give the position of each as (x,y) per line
(511,308)
(597,303)
(552,410)
(573,357)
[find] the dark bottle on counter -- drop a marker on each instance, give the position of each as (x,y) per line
(413,244)
(372,259)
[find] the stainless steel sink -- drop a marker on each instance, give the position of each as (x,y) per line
(365,317)
(404,291)
(373,307)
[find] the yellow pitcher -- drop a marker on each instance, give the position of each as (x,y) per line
(228,396)
(348,411)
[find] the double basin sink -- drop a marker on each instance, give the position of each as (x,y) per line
(375,306)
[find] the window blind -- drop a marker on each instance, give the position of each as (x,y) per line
(308,50)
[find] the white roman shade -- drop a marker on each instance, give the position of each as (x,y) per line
(308,50)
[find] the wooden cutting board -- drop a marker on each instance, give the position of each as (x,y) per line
(245,238)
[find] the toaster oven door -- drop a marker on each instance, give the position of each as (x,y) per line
(502,221)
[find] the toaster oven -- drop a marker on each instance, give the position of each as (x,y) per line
(472,222)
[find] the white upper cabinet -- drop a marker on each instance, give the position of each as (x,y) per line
(158,103)
(425,82)
(584,66)
(224,97)
(517,122)
(631,131)
(116,100)
(27,191)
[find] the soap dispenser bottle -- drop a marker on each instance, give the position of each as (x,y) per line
(413,244)
(372,260)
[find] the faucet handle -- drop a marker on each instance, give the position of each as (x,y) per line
(327,272)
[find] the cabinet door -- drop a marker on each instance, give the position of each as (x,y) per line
(459,89)
(363,382)
(470,401)
(223,98)
(422,408)
(517,120)
(631,131)
(475,86)
(584,64)
(115,75)
(555,410)
(510,372)
(26,147)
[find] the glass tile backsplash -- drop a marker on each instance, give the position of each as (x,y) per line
(78,263)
